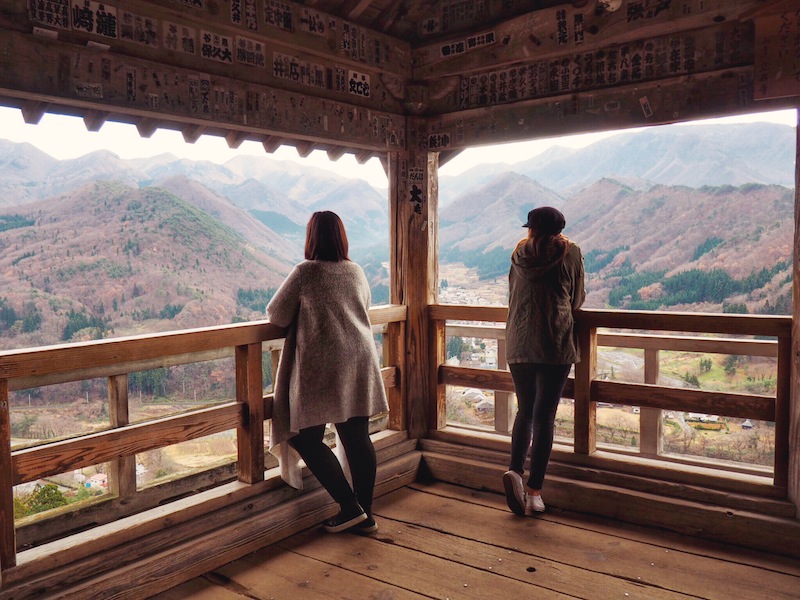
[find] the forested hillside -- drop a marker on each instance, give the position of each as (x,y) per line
(113,260)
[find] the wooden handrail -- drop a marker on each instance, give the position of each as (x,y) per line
(645,341)
(30,464)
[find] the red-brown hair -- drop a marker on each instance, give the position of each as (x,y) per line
(326,238)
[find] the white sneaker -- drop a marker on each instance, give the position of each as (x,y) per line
(533,504)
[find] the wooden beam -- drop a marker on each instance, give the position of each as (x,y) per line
(363,156)
(534,36)
(116,351)
(271,143)
(147,127)
(95,119)
(32,112)
(31,464)
(304,149)
(745,406)
(355,8)
(192,133)
(447,156)
(235,138)
(336,152)
(36,69)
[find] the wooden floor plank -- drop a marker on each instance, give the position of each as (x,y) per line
(514,564)
(273,573)
(635,561)
(412,570)
(641,533)
(200,588)
(445,541)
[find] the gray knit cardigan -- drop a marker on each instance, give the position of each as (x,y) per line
(329,369)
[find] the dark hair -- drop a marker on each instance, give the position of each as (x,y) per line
(544,232)
(326,238)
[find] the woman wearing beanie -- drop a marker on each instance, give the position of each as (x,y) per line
(546,286)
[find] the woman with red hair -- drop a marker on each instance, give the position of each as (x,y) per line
(329,372)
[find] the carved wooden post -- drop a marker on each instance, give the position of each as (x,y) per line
(585,409)
(413,197)
(122,478)
(250,434)
(650,434)
(8,553)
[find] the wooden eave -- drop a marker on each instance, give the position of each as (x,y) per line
(458,68)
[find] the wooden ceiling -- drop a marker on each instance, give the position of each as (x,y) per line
(373,76)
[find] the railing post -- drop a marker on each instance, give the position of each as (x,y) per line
(650,423)
(437,418)
(394,355)
(783,413)
(8,549)
(122,476)
(585,409)
(503,401)
(250,433)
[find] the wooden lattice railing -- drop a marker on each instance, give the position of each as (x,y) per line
(588,390)
(114,359)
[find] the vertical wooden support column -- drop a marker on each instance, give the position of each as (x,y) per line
(413,198)
(250,434)
(122,479)
(585,409)
(8,551)
(394,340)
(503,401)
(793,484)
(650,424)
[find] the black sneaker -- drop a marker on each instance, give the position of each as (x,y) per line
(515,492)
(343,521)
(365,527)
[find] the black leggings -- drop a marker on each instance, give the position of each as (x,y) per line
(538,389)
(322,462)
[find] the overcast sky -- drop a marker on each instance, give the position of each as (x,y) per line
(66,137)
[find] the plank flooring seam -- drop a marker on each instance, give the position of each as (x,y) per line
(543,558)
(353,571)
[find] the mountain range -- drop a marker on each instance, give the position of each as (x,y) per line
(99,244)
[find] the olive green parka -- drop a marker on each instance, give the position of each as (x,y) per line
(543,293)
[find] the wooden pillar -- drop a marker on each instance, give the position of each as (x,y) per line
(8,553)
(250,434)
(122,478)
(794,409)
(413,198)
(650,423)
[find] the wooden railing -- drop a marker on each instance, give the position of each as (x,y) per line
(114,359)
(587,390)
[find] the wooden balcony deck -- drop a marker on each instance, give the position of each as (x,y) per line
(443,541)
